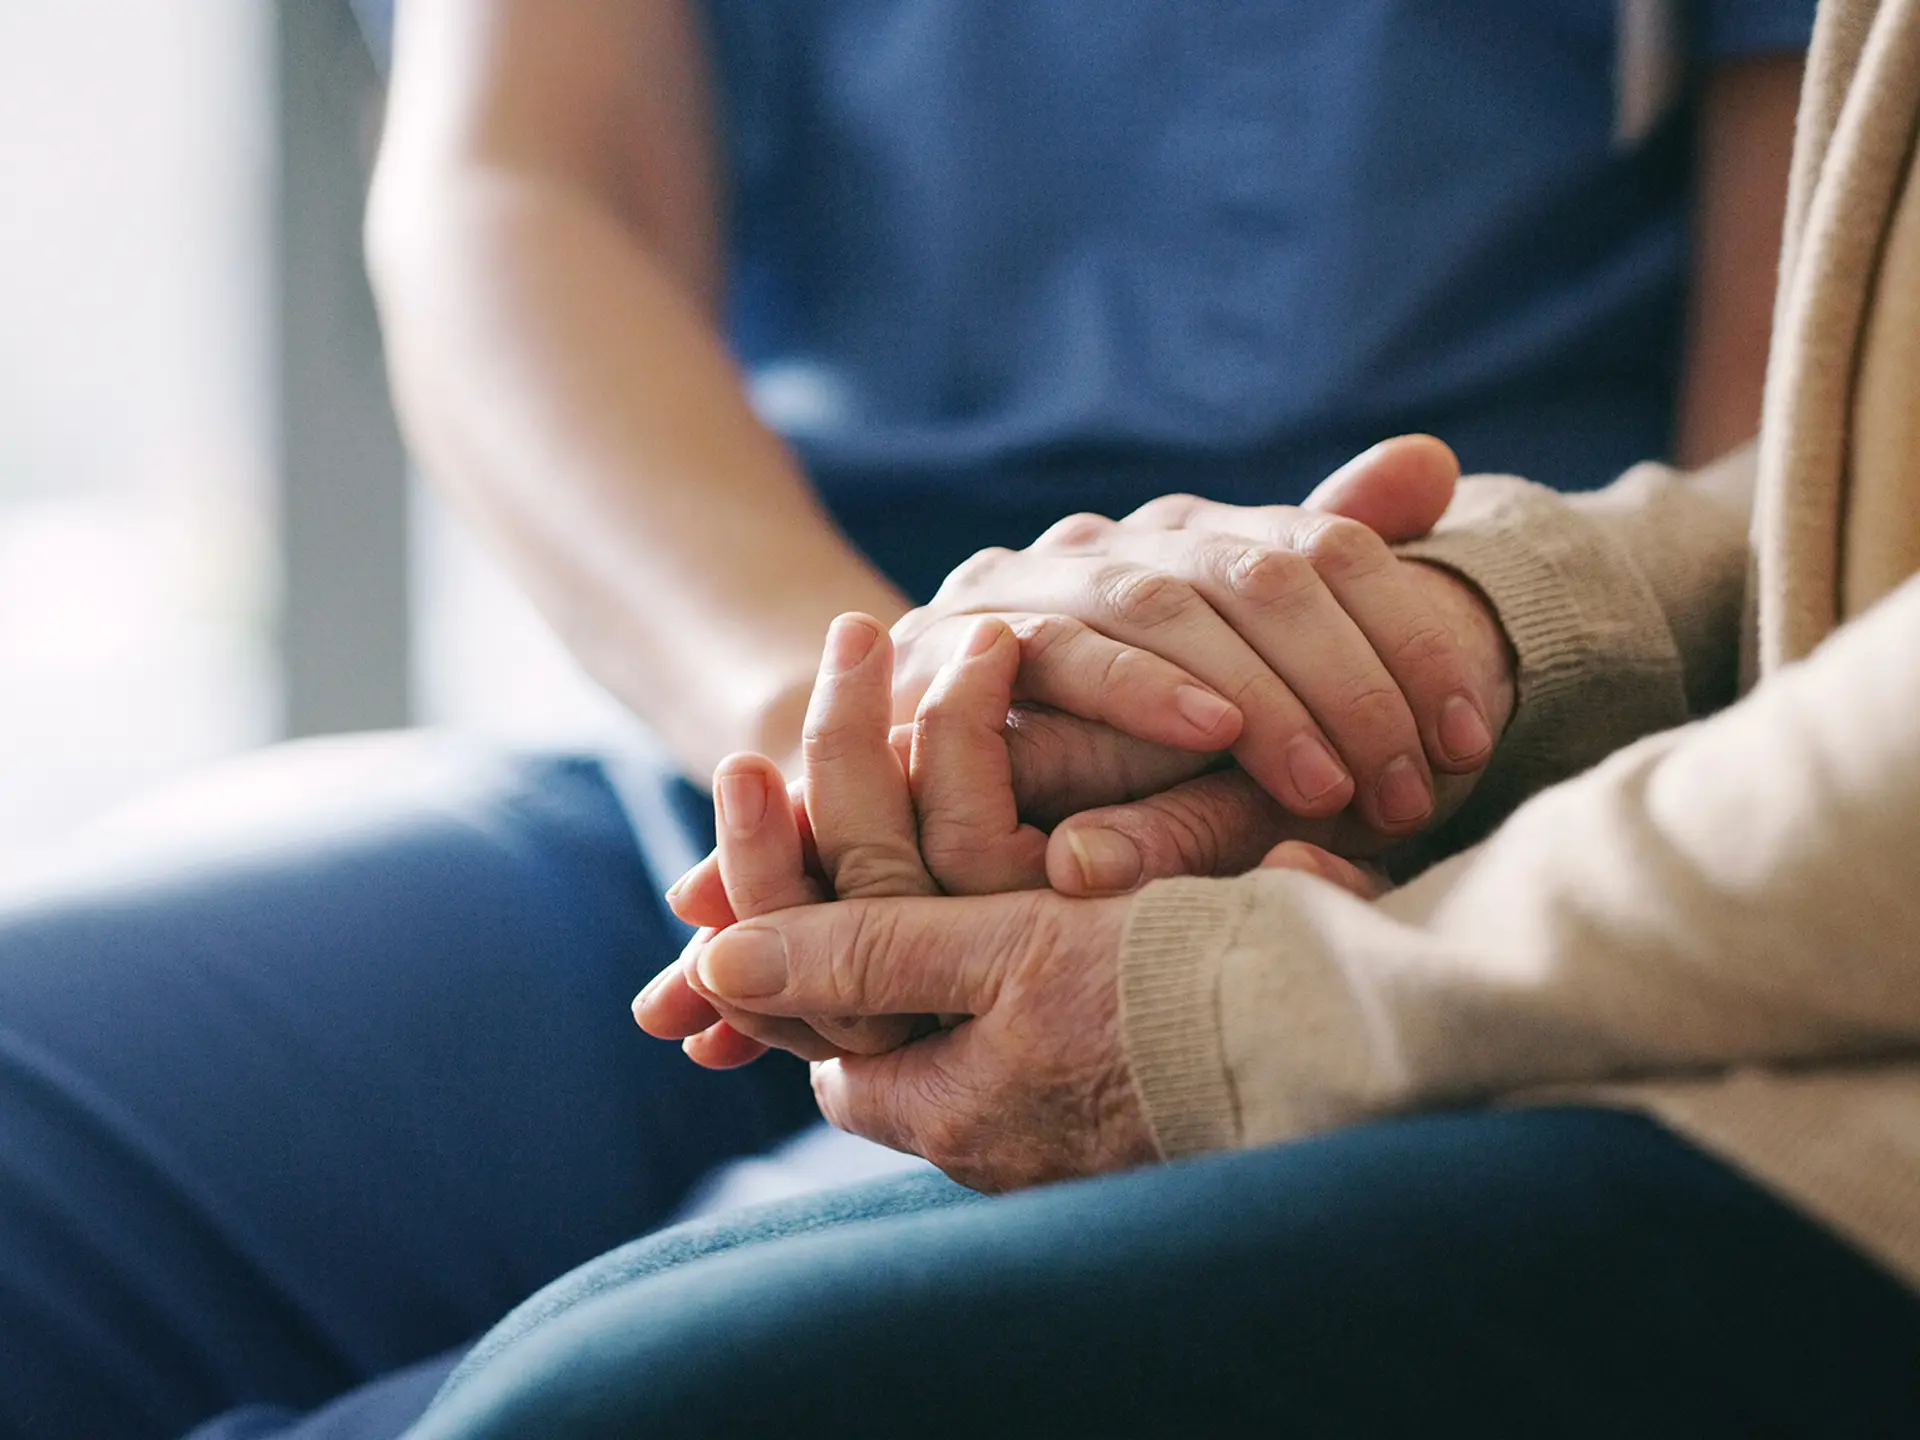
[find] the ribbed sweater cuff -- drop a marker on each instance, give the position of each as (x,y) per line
(1596,666)
(1177,934)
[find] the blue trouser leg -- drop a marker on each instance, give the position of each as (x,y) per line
(289,1104)
(1562,1273)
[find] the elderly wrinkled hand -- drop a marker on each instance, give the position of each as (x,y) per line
(1028,1082)
(870,806)
(980,1032)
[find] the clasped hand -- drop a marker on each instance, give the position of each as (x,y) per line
(984,1032)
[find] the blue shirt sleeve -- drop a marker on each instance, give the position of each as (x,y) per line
(1734,29)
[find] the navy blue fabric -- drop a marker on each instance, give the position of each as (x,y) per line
(1557,1273)
(999,261)
(288,1105)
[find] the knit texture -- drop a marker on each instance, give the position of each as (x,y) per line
(1718,921)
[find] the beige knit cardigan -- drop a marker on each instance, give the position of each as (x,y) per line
(1717,921)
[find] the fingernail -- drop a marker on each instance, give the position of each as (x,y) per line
(1202,709)
(743,802)
(646,990)
(1403,795)
(1108,861)
(1313,770)
(1463,730)
(745,963)
(848,642)
(679,885)
(982,638)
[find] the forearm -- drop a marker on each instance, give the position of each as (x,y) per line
(1739,892)
(578,403)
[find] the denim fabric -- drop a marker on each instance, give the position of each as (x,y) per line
(294,1101)
(1559,1273)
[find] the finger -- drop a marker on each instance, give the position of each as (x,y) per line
(721,1047)
(1132,599)
(857,795)
(674,1006)
(1392,604)
(912,956)
(1069,666)
(1062,765)
(762,866)
(669,1008)
(773,1032)
(1399,489)
(699,897)
(1219,824)
(1360,880)
(1375,598)
(1131,596)
(1277,598)
(971,838)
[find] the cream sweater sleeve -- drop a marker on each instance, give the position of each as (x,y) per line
(1623,606)
(1743,890)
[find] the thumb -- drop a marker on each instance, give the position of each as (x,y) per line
(1219,824)
(911,956)
(1398,489)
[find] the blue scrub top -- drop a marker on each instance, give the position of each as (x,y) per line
(999,260)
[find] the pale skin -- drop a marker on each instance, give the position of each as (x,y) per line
(938,808)
(1022,1077)
(544,235)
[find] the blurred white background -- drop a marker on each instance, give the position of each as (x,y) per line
(136,584)
(148,625)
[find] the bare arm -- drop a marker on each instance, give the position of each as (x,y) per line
(1745,145)
(543,237)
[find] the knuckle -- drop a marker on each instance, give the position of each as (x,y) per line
(1263,696)
(1339,546)
(972,570)
(1179,839)
(1372,707)
(1085,528)
(1166,512)
(868,869)
(1269,578)
(939,720)
(830,740)
(1125,672)
(1038,753)
(1041,636)
(955,849)
(862,952)
(1426,647)
(1142,598)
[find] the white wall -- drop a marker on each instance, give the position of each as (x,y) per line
(136,591)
